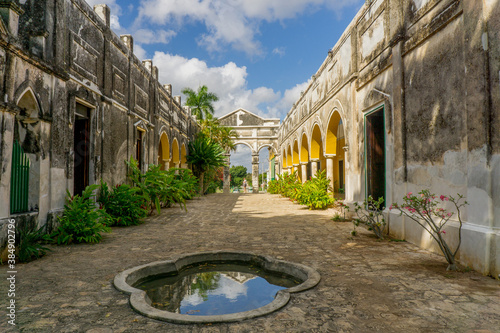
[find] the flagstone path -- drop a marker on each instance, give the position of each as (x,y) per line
(366,286)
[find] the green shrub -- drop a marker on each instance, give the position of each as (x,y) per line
(123,203)
(160,188)
(82,221)
(29,246)
(314,192)
(185,180)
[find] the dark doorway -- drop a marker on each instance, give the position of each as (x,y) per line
(138,149)
(375,154)
(81,149)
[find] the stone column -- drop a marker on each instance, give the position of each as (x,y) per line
(269,173)
(329,169)
(177,165)
(255,173)
(227,181)
(166,164)
(303,167)
(296,167)
(314,166)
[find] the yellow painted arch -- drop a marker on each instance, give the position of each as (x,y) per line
(331,134)
(304,149)
(316,143)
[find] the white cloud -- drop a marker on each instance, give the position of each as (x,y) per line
(114,22)
(147,36)
(140,52)
(231,22)
(116,10)
(229,82)
(280,51)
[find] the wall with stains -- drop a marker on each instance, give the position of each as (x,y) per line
(434,67)
(57,58)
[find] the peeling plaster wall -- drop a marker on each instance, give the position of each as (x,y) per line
(434,65)
(66,55)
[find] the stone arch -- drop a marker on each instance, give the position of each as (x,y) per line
(183,156)
(28,102)
(175,160)
(304,148)
(245,144)
(296,153)
(331,133)
(316,145)
(28,134)
(334,150)
(268,145)
(164,151)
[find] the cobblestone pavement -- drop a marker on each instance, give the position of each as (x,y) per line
(367,285)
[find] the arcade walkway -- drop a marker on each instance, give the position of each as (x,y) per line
(367,285)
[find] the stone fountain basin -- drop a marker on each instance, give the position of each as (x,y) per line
(141,303)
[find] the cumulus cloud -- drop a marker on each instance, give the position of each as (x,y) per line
(229,82)
(231,22)
(140,52)
(147,36)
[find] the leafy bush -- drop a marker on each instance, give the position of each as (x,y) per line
(123,203)
(184,179)
(424,210)
(160,188)
(370,214)
(82,221)
(29,246)
(314,192)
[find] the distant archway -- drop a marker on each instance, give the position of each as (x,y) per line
(174,162)
(164,152)
(255,132)
(183,156)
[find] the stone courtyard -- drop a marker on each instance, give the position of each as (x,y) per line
(367,285)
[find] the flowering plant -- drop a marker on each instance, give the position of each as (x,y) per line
(425,209)
(371,215)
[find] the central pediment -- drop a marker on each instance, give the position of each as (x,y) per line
(242,117)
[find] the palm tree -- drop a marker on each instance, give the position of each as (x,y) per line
(204,155)
(201,102)
(223,135)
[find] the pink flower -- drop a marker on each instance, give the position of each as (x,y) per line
(424,212)
(443,198)
(449,214)
(443,232)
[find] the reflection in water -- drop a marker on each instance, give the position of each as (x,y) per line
(214,289)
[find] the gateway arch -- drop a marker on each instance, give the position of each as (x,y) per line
(256,133)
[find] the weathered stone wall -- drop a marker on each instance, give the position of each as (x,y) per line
(433,66)
(57,56)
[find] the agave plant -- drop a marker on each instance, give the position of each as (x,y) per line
(204,155)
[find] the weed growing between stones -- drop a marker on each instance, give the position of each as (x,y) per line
(425,210)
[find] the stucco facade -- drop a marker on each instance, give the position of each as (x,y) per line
(79,103)
(409,99)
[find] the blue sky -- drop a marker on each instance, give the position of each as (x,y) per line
(254,54)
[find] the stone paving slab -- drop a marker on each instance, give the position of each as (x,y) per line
(367,285)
